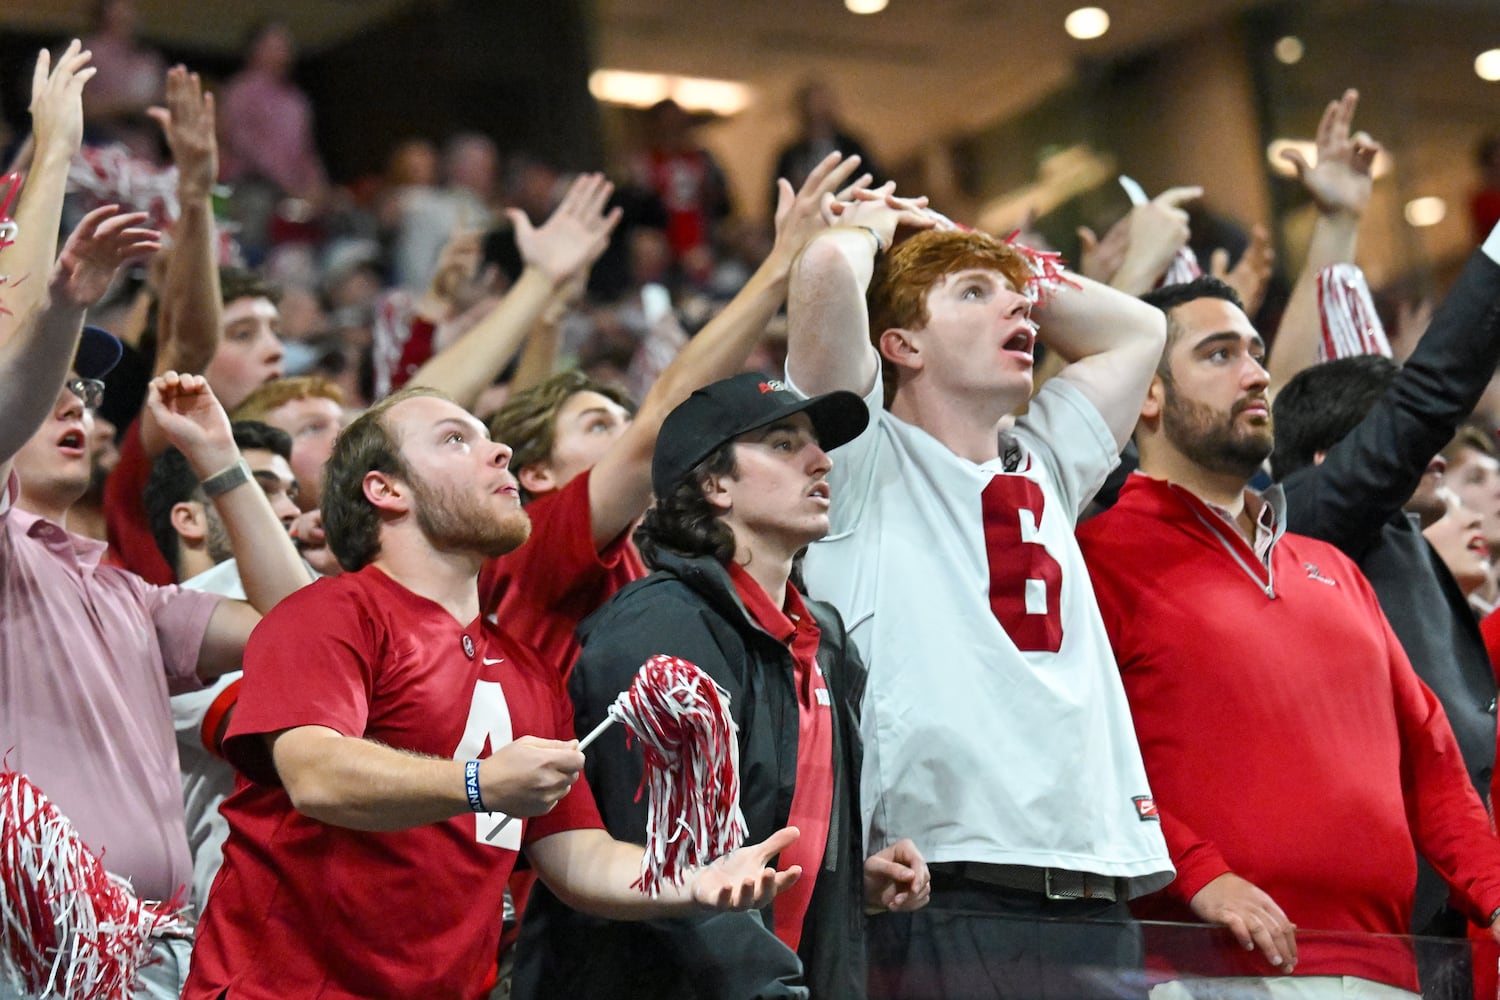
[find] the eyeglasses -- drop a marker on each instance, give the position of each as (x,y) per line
(90,390)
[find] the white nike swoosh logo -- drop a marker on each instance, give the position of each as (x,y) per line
(490,663)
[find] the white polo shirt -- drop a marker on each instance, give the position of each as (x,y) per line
(976,749)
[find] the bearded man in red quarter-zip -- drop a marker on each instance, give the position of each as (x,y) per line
(1298,763)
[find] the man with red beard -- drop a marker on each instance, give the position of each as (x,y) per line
(358,862)
(1244,647)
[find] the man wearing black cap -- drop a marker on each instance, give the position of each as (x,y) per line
(739,474)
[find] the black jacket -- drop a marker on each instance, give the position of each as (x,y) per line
(1354,498)
(689,608)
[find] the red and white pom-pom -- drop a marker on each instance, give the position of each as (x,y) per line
(68,928)
(1184,268)
(1047,271)
(112,175)
(10,186)
(1351,326)
(692,776)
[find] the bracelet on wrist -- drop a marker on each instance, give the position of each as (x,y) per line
(471,786)
(224,480)
(879,243)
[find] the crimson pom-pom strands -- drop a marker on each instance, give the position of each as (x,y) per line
(68,928)
(690,746)
(10,186)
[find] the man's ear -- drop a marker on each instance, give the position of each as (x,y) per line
(386,493)
(716,494)
(898,347)
(537,478)
(190,521)
(1156,399)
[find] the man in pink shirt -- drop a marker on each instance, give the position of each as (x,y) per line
(87,650)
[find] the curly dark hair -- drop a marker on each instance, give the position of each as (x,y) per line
(684,522)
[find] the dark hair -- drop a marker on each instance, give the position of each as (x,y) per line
(528,420)
(684,522)
(367,445)
(1169,297)
(172,481)
(237,283)
(1314,411)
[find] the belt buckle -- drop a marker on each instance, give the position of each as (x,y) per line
(1047,886)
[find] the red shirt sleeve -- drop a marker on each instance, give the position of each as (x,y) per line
(125,513)
(542,590)
(321,625)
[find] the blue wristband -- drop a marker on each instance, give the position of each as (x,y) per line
(471,786)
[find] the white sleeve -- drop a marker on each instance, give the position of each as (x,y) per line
(1068,435)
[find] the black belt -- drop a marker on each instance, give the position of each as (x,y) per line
(1049,883)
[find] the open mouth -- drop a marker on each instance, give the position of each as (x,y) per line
(820,492)
(1022,342)
(74,440)
(1478,547)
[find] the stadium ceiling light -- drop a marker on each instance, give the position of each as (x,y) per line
(1487,65)
(1289,50)
(1087,22)
(641,90)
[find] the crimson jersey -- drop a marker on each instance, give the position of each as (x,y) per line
(306,909)
(130,538)
(562,578)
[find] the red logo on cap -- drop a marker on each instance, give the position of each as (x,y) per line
(774,385)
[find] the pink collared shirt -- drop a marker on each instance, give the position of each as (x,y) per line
(86,653)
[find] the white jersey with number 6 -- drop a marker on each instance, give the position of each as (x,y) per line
(995,726)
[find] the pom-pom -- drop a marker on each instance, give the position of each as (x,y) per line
(1350,324)
(692,776)
(1047,271)
(68,928)
(10,186)
(1184,268)
(111,175)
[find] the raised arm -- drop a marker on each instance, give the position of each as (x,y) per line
(567,243)
(1340,186)
(190,318)
(1373,470)
(1138,249)
(1112,341)
(36,349)
(828,322)
(620,485)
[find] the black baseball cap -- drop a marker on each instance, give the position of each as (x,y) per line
(98,352)
(721,412)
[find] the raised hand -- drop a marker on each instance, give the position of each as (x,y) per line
(103,240)
(193,421)
(1157,230)
(1251,916)
(742,879)
(188,124)
(896,878)
(1250,276)
(883,211)
(57,100)
(1342,180)
(574,235)
(802,214)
